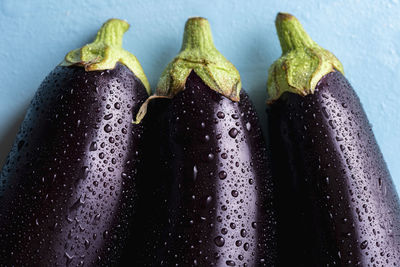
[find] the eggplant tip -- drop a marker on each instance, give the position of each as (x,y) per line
(196,18)
(119,20)
(284,16)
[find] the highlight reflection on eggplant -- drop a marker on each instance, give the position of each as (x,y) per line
(212,161)
(68,186)
(337,205)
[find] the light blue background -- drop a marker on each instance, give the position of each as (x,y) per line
(364,35)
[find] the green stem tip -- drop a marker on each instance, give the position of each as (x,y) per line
(303,62)
(112,32)
(197,35)
(199,54)
(291,34)
(105,51)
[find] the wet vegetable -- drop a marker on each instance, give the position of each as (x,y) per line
(337,205)
(210,160)
(68,186)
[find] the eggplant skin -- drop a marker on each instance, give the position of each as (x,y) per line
(337,205)
(212,161)
(68,186)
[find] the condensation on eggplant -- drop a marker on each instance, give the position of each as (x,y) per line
(214,166)
(68,186)
(337,205)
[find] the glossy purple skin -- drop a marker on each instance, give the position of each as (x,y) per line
(213,161)
(337,205)
(68,187)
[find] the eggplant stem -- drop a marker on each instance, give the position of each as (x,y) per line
(111,32)
(199,54)
(291,33)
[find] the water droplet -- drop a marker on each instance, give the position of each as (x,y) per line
(93,146)
(243,233)
(233,132)
(325,112)
(117,105)
(108,116)
(85,171)
(107,128)
(230,263)
(220,115)
(364,244)
(105,234)
(222,175)
(234,193)
(332,124)
(248,126)
(338,138)
(219,241)
(194,172)
(87,243)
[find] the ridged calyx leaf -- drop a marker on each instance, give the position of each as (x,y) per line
(197,54)
(303,62)
(105,51)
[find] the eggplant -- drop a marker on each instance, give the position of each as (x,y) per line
(210,165)
(336,202)
(68,187)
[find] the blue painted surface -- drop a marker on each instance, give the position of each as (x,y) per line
(364,35)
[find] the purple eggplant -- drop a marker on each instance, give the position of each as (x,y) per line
(210,165)
(67,189)
(337,204)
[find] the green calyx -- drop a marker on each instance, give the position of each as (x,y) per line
(303,62)
(199,54)
(105,51)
